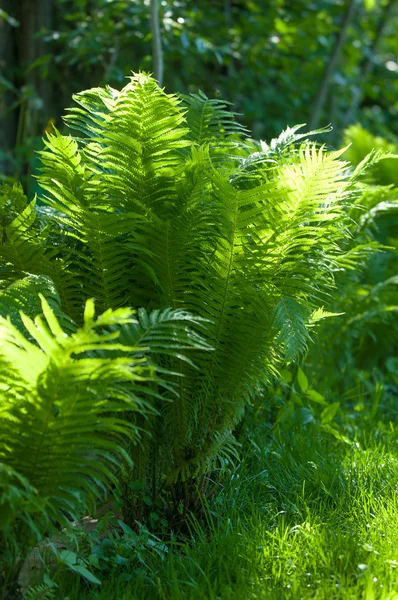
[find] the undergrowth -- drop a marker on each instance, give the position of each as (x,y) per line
(302,516)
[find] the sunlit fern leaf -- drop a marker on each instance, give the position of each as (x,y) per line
(63,428)
(356,257)
(289,137)
(94,106)
(135,149)
(12,202)
(20,248)
(166,332)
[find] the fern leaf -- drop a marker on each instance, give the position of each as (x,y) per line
(290,319)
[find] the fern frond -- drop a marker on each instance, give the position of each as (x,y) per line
(23,295)
(68,409)
(211,121)
(291,319)
(288,138)
(20,249)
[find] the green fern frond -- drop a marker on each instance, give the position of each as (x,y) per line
(40,592)
(23,295)
(210,121)
(68,409)
(20,249)
(289,137)
(291,318)
(166,332)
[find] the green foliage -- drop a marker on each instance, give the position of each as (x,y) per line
(366,340)
(63,420)
(268,61)
(301,516)
(361,142)
(176,214)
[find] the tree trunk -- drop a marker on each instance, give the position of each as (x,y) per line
(157,52)
(34,16)
(8,65)
(367,64)
(332,63)
(30,93)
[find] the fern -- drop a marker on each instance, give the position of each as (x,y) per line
(40,592)
(163,203)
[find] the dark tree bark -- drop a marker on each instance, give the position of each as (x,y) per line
(332,63)
(32,94)
(8,65)
(35,16)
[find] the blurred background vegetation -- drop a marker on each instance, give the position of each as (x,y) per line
(279,62)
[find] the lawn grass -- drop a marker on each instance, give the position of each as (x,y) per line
(301,517)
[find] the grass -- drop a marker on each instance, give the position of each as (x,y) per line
(303,516)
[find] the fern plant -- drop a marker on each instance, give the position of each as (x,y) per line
(163,202)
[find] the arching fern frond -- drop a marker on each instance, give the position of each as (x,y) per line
(211,121)
(64,426)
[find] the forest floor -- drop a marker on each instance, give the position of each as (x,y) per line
(301,517)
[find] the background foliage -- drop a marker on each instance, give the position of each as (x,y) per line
(268,58)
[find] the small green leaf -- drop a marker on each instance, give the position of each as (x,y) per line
(316,397)
(49,582)
(296,399)
(85,573)
(305,416)
(126,528)
(302,380)
(339,436)
(329,413)
(121,560)
(286,376)
(8,18)
(68,557)
(93,559)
